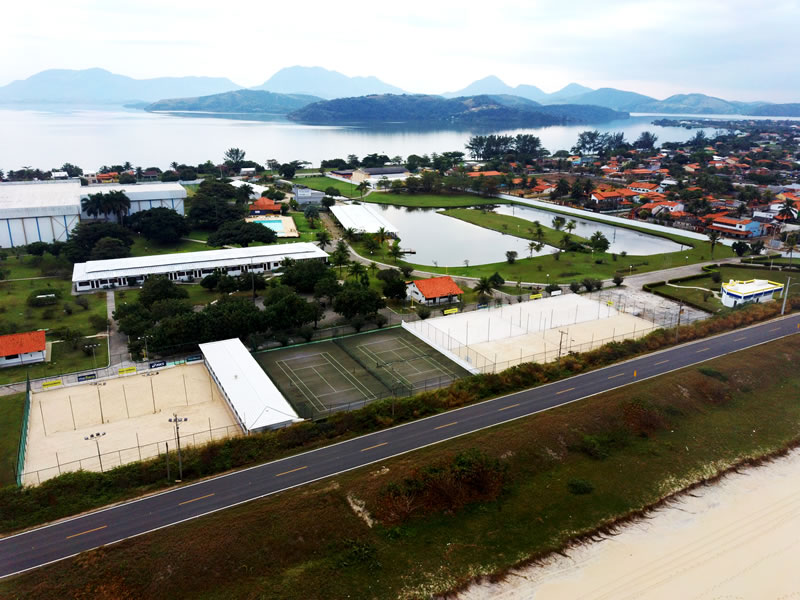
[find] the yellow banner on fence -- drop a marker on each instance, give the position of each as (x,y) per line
(127,370)
(535,296)
(609,302)
(49,384)
(451,311)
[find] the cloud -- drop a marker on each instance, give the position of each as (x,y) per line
(736,48)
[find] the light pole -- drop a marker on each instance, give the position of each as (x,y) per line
(785,294)
(177,421)
(687,259)
(94,357)
(146,353)
(95,437)
(631,270)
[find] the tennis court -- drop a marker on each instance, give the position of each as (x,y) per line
(350,372)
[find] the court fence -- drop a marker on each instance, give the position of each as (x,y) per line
(23,436)
(109,460)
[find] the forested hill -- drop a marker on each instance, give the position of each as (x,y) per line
(466,110)
(239,101)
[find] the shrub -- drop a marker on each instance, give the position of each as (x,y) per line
(44,297)
(380,320)
(67,308)
(423,312)
(306,332)
(716,276)
(713,373)
(618,279)
(83,302)
(357,322)
(580,486)
(98,323)
(575,287)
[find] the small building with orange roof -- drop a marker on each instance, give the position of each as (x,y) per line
(22,348)
(265,206)
(433,291)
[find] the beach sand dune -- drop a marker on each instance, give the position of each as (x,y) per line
(736,539)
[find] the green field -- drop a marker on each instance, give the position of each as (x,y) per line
(323,183)
(508,224)
(630,448)
(431,200)
(63,360)
(145,247)
(710,303)
(17,316)
(11,409)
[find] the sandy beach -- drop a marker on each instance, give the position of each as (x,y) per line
(736,539)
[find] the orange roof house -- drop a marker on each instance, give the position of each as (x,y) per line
(264,206)
(18,348)
(436,290)
(485,174)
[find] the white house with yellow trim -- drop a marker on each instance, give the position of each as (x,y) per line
(735,292)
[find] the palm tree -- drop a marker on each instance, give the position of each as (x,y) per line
(139,172)
(340,258)
(381,235)
(791,242)
(356,270)
(787,209)
(394,251)
(350,234)
(323,238)
(558,223)
(534,246)
(484,287)
(173,165)
(363,187)
(372,268)
(117,202)
(93,205)
(713,237)
(565,242)
(571,225)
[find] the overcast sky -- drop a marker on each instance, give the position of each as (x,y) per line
(736,49)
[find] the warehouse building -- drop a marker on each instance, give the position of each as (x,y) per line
(252,397)
(735,293)
(38,211)
(48,211)
(187,266)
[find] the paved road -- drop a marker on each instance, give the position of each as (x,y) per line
(54,542)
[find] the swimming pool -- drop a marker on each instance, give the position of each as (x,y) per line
(275,224)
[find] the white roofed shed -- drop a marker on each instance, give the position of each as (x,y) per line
(362,219)
(255,401)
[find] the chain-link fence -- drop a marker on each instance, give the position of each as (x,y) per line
(23,436)
(109,460)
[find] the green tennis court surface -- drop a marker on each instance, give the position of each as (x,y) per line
(348,373)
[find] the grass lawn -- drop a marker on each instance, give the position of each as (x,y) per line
(432,200)
(508,224)
(198,295)
(27,266)
(322,183)
(191,189)
(145,247)
(11,409)
(199,234)
(632,447)
(64,360)
(17,316)
(712,304)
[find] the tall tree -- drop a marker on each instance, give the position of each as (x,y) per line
(234,156)
(713,237)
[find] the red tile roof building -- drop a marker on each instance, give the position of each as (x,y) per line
(436,290)
(22,348)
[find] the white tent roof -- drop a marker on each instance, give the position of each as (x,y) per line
(251,394)
(39,198)
(185,261)
(362,218)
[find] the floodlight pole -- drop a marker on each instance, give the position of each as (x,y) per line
(95,437)
(785,294)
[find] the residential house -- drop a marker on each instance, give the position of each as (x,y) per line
(264,206)
(644,187)
(434,291)
(22,348)
(305,195)
(737,228)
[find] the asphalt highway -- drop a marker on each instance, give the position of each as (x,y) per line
(50,543)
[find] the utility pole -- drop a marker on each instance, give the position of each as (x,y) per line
(678,326)
(560,341)
(176,420)
(94,357)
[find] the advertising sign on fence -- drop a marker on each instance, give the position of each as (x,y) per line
(87,376)
(536,296)
(127,370)
(480,306)
(556,293)
(49,384)
(158,364)
(450,311)
(194,358)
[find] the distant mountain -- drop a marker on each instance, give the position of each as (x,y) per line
(698,104)
(316,81)
(239,101)
(510,100)
(612,98)
(98,86)
(568,92)
(481,110)
(495,86)
(775,110)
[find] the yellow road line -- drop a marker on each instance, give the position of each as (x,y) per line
(375,446)
(448,425)
(85,532)
(292,471)
(775,329)
(507,407)
(703,350)
(195,499)
(661,362)
(617,375)
(739,339)
(565,391)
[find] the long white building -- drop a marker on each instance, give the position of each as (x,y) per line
(250,394)
(100,274)
(362,218)
(48,211)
